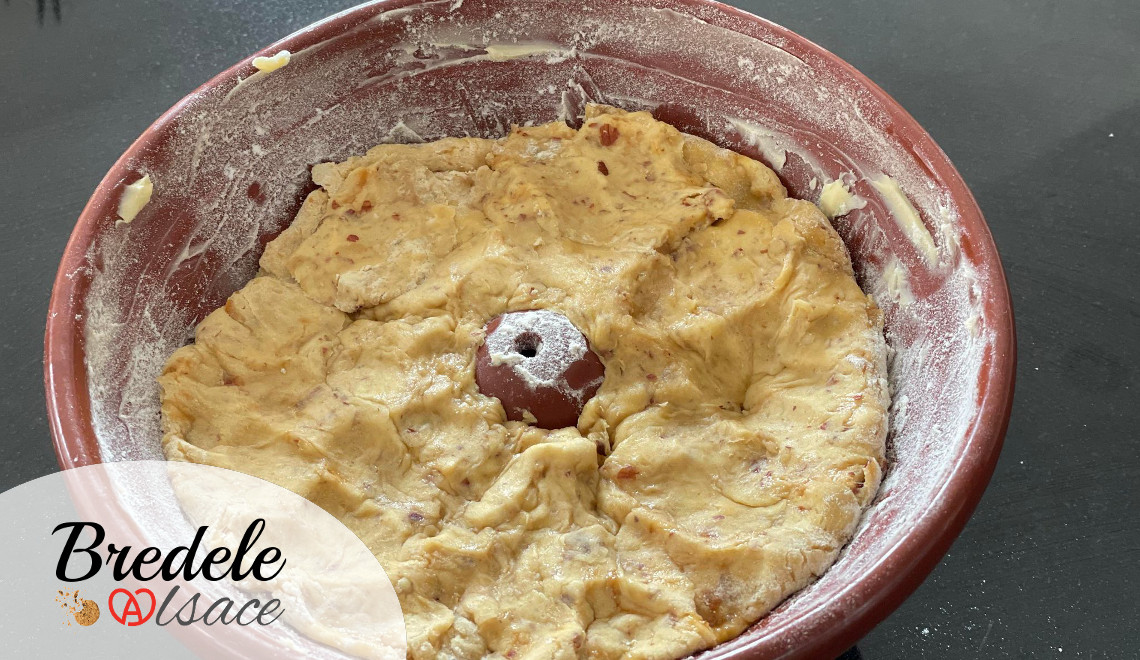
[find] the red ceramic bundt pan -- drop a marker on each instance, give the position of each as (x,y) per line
(230,167)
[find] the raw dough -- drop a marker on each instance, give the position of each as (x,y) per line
(725,461)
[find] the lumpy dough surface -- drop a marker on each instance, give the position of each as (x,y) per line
(724,462)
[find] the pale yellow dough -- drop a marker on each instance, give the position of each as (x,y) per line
(724,462)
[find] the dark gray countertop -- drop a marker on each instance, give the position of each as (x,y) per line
(1038,105)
